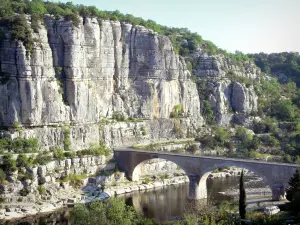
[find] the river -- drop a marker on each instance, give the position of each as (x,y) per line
(163,204)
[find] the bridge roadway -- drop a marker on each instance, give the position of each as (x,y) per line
(197,168)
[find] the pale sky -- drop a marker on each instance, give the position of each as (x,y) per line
(245,25)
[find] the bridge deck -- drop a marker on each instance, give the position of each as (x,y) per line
(128,149)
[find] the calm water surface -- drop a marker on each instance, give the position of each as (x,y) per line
(163,204)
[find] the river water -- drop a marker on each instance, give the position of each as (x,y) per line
(162,204)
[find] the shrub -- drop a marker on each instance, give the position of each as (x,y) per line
(177,112)
(75,180)
(42,190)
(43,158)
(192,148)
(20,31)
(58,153)
(23,161)
(20,145)
(207,112)
(118,116)
(95,149)
(244,135)
(221,136)
(66,141)
(208,141)
(70,154)
(2,176)
(8,163)
(24,192)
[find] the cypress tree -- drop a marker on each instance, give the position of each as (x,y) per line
(294,185)
(242,200)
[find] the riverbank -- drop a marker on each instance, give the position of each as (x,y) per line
(96,188)
(89,193)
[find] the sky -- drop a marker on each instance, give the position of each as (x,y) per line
(250,26)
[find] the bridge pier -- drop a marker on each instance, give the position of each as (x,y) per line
(197,189)
(278,192)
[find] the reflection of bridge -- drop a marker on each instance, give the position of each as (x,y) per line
(197,168)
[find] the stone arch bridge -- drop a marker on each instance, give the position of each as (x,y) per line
(197,168)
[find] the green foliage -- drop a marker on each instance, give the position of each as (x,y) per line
(17,126)
(242,199)
(8,163)
(24,192)
(41,189)
(58,153)
(222,136)
(75,180)
(192,148)
(244,135)
(208,141)
(2,176)
(67,141)
(284,110)
(43,158)
(114,211)
(207,112)
(20,31)
(70,154)
(177,112)
(23,161)
(118,116)
(285,62)
(96,150)
(20,145)
(294,185)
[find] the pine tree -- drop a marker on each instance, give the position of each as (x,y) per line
(294,185)
(242,200)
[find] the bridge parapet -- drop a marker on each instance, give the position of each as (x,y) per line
(197,168)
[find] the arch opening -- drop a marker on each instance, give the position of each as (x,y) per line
(259,184)
(157,167)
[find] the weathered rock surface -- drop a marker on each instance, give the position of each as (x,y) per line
(106,66)
(79,75)
(215,75)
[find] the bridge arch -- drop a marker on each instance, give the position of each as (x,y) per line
(201,189)
(198,168)
(137,171)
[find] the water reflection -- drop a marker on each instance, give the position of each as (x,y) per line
(172,202)
(162,204)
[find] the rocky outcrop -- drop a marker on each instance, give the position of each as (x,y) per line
(82,74)
(224,86)
(78,75)
(218,66)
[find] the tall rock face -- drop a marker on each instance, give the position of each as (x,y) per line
(104,68)
(78,75)
(222,83)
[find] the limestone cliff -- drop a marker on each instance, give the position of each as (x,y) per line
(77,75)
(103,67)
(222,83)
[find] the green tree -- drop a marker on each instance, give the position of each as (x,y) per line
(207,112)
(8,163)
(2,176)
(113,212)
(242,199)
(294,185)
(222,136)
(284,110)
(23,161)
(244,135)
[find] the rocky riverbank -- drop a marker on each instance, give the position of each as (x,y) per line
(47,194)
(89,193)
